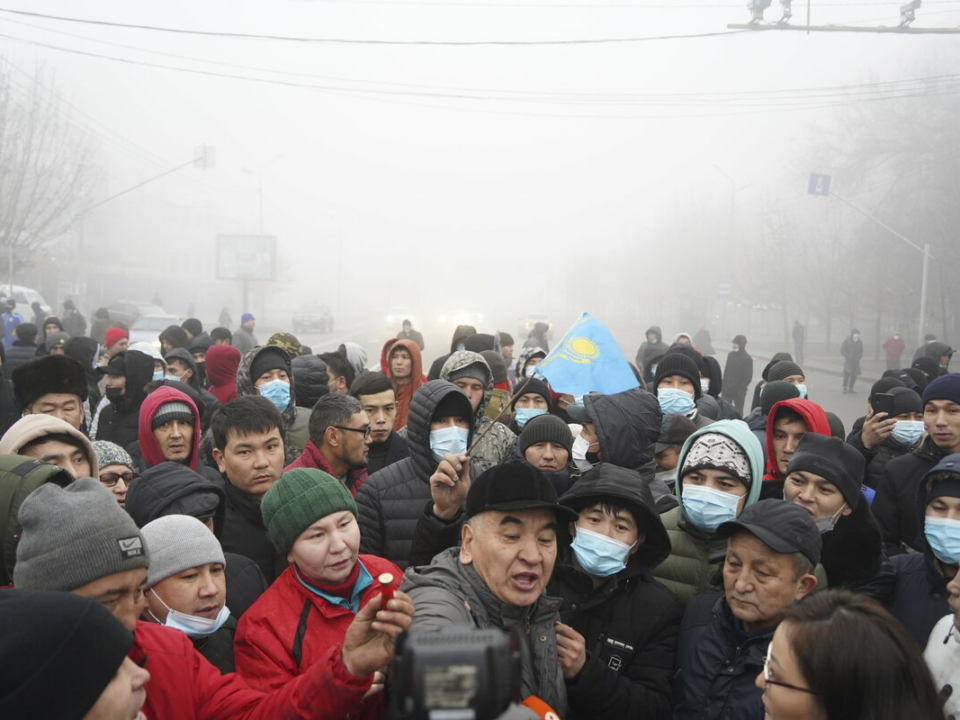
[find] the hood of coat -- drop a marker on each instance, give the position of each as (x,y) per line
(627,425)
(32,427)
(655,329)
(138,368)
(458,361)
(715,374)
(813,416)
(384,366)
(222,362)
(310,379)
(525,355)
(416,373)
(742,435)
(172,489)
(149,447)
(422,407)
(183,355)
(948,467)
(460,335)
(618,485)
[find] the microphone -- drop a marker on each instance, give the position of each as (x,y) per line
(538,706)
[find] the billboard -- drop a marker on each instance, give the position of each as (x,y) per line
(246,257)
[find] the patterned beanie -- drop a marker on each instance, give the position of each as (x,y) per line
(297,500)
(109,453)
(717,452)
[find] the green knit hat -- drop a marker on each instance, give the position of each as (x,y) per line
(297,500)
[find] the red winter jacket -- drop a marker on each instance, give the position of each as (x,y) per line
(222,363)
(264,646)
(814,417)
(149,447)
(185,686)
(313,458)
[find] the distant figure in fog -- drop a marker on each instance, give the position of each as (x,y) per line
(799,339)
(894,346)
(852,351)
(225,319)
(408,333)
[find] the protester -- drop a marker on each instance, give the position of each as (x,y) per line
(127,374)
(65,657)
(312,521)
(51,440)
(491,441)
(186,588)
(839,656)
(674,431)
(920,599)
(758,388)
(677,387)
(770,395)
(266,371)
(498,409)
(884,437)
(222,362)
(53,385)
(116,469)
(408,333)
(173,337)
(653,346)
(378,398)
(77,540)
(533,399)
(183,368)
(340,372)
(22,350)
(172,489)
(852,351)
(895,504)
(787,423)
(115,341)
(772,549)
(893,348)
(720,475)
(100,324)
(943,651)
(738,373)
(339,440)
(221,335)
(497,576)
(74,324)
(243,339)
(248,449)
(405,370)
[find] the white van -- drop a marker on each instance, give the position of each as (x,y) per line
(25,298)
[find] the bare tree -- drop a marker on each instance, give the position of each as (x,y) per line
(46,168)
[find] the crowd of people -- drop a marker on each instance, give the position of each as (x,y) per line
(223,528)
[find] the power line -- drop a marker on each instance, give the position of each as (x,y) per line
(346,41)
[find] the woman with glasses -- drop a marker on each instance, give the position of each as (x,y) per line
(840,656)
(116,469)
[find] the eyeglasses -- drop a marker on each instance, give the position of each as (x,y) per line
(111,478)
(768,681)
(365,431)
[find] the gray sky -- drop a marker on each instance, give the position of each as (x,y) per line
(606,147)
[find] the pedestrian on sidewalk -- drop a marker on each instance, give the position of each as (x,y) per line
(738,373)
(894,346)
(799,340)
(852,351)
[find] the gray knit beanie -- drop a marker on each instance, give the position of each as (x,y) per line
(73,536)
(178,543)
(109,453)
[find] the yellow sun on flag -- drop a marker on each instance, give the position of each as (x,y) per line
(580,350)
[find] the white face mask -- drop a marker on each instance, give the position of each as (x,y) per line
(192,625)
(579,453)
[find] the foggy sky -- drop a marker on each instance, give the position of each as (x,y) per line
(518,196)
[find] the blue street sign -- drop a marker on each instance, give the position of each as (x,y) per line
(819,185)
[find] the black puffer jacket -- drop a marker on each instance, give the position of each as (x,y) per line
(650,350)
(119,423)
(172,489)
(310,380)
(853,556)
(627,426)
(631,622)
(84,351)
(245,534)
(895,505)
(392,500)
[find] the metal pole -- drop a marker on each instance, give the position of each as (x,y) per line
(246,296)
(923,290)
(260,179)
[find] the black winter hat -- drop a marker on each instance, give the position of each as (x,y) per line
(674,430)
(905,400)
(506,339)
(497,365)
(479,342)
(546,428)
(883,385)
(781,526)
(773,361)
(928,366)
(784,369)
(117,365)
(175,335)
(837,429)
(59,651)
(192,326)
(270,358)
(832,459)
(514,486)
(534,385)
(740,340)
(453,404)
(677,363)
(774,392)
(47,375)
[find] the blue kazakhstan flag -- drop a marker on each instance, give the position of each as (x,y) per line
(587,359)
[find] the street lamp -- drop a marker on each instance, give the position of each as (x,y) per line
(259,175)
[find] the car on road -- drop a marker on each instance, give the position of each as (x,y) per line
(25,298)
(313,318)
(128,312)
(147,328)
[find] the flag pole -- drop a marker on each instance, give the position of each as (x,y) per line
(503,410)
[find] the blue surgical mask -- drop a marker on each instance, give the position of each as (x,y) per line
(277,392)
(525,415)
(448,440)
(802,389)
(907,432)
(192,625)
(158,375)
(827,524)
(705,385)
(943,536)
(674,401)
(577,400)
(707,508)
(599,555)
